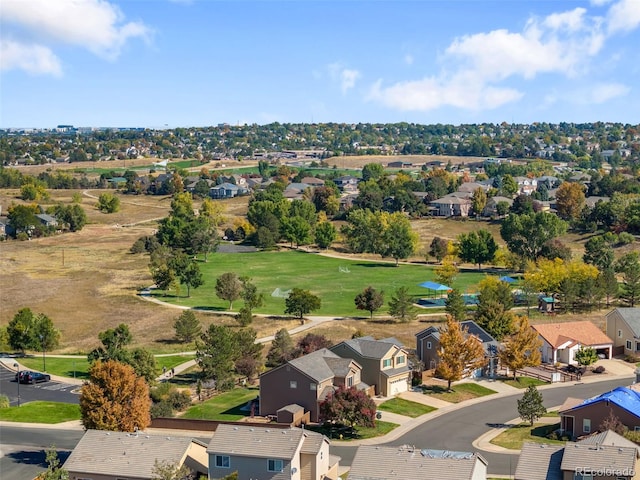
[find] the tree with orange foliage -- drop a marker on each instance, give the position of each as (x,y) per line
(459,354)
(522,349)
(570,200)
(114,398)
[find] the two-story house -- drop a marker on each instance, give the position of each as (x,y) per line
(623,327)
(384,363)
(270,454)
(306,381)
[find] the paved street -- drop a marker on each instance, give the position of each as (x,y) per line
(52,391)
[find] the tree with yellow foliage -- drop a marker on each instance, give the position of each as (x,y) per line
(570,200)
(522,349)
(459,354)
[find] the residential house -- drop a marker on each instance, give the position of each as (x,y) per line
(560,341)
(471,187)
(270,454)
(226,190)
(384,363)
(593,200)
(102,455)
(347,183)
(451,206)
(623,326)
(47,220)
(399,164)
(605,456)
(312,181)
(491,208)
(307,381)
(584,417)
(526,185)
(191,186)
(428,344)
(295,190)
(373,462)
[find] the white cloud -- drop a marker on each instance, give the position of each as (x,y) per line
(599,3)
(97,25)
(408,59)
(34,59)
(475,67)
(344,76)
(623,16)
(604,92)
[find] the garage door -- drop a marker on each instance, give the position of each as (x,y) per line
(398,386)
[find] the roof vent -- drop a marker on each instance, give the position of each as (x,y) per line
(235,428)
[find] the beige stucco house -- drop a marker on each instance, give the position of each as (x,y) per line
(560,341)
(102,455)
(306,381)
(623,327)
(264,453)
(384,363)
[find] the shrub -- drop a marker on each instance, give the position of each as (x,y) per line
(599,369)
(631,358)
(179,400)
(625,238)
(4,401)
(138,246)
(161,409)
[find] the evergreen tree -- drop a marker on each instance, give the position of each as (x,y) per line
(530,407)
(187,327)
(282,349)
(455,306)
(401,305)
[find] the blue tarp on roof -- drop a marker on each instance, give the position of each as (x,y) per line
(434,286)
(623,397)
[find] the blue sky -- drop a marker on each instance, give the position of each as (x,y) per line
(151,63)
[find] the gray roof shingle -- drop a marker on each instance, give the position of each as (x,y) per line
(598,457)
(393,463)
(370,348)
(540,462)
(127,455)
(316,366)
(631,315)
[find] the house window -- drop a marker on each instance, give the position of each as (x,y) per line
(586,425)
(223,461)
(349,381)
(293,384)
(428,345)
(582,476)
(636,429)
(637,346)
(313,386)
(387,362)
(400,360)
(628,344)
(619,333)
(274,465)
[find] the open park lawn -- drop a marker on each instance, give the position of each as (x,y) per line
(514,437)
(41,412)
(63,367)
(335,280)
(225,406)
(405,407)
(458,393)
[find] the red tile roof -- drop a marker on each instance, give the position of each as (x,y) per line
(584,333)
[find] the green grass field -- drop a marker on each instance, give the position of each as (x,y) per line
(64,367)
(225,406)
(459,392)
(405,407)
(514,437)
(323,276)
(41,412)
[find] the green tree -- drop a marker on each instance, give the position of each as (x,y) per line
(54,471)
(114,341)
(45,336)
(215,355)
(455,305)
(108,203)
(369,299)
(522,349)
(509,186)
(71,216)
(446,272)
(296,230)
(608,284)
(459,352)
(530,406)
(203,237)
(114,398)
(525,235)
(372,171)
(438,248)
(187,327)
(326,234)
(250,295)
(228,287)
(598,252)
(399,241)
(282,349)
(191,276)
(20,330)
(23,217)
(143,363)
(401,305)
(477,247)
(586,356)
(300,302)
(478,201)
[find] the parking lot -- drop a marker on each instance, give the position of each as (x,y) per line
(51,391)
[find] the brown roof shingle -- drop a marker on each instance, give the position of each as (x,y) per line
(584,332)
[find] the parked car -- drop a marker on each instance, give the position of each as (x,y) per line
(27,376)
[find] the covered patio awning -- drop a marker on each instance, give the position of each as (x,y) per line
(435,287)
(507,279)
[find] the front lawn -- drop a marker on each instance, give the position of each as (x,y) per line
(459,393)
(336,281)
(41,412)
(513,438)
(524,382)
(225,406)
(405,407)
(356,433)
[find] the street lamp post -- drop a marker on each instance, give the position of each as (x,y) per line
(44,360)
(17,367)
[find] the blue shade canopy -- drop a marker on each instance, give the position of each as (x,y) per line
(434,286)
(507,279)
